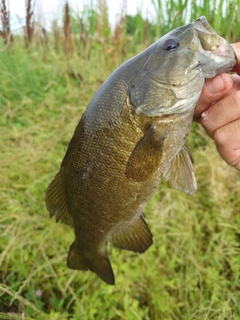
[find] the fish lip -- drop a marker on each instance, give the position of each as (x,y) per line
(202,24)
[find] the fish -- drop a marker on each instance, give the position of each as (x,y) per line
(131,136)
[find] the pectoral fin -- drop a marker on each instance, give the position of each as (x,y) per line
(137,237)
(56,202)
(145,157)
(181,174)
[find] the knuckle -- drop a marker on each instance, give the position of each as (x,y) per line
(219,136)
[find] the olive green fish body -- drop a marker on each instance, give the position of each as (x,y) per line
(131,136)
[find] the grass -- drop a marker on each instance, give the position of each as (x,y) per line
(192,269)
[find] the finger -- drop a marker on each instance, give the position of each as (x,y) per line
(221,113)
(236,47)
(213,90)
(227,139)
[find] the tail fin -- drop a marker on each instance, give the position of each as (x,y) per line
(94,261)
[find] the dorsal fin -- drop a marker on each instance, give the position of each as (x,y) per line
(56,200)
(136,237)
(181,174)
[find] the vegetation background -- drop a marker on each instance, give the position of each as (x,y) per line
(47,77)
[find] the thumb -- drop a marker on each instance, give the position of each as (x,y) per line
(214,89)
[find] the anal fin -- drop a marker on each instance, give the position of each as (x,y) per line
(94,261)
(181,173)
(137,237)
(56,201)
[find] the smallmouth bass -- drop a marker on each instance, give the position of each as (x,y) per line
(131,136)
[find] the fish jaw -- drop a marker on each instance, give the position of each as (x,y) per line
(220,55)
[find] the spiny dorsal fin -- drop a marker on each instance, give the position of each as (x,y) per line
(56,201)
(95,261)
(137,237)
(145,157)
(181,174)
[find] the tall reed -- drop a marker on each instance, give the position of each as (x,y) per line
(67,30)
(5,19)
(223,15)
(29,22)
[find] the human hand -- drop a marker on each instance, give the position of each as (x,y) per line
(218,111)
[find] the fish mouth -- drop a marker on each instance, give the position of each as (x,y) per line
(219,54)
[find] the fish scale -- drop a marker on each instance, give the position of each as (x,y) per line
(131,136)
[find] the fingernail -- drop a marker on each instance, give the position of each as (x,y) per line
(204,114)
(216,84)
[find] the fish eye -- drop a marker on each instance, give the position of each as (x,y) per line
(170,44)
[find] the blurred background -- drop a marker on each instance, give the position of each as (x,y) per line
(54,55)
